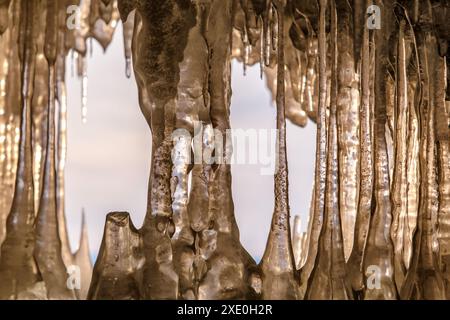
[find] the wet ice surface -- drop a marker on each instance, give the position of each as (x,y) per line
(121,183)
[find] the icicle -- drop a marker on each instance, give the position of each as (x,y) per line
(128,30)
(379,249)
(261,52)
(355,267)
(273,18)
(84,90)
(231,262)
(424,279)
(348,125)
(311,79)
(327,279)
(399,190)
(47,250)
(18,270)
(412,168)
(39,112)
(266,35)
(61,155)
(10,114)
(246,50)
(444,176)
(278,265)
(5,57)
(321,154)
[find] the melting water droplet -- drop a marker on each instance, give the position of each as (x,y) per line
(128,67)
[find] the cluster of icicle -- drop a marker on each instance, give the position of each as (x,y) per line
(379,224)
(34,42)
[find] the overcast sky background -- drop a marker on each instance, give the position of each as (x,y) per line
(108,158)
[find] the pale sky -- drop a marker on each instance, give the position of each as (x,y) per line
(108,158)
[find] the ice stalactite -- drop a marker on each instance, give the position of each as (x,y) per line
(321,154)
(310,92)
(412,163)
(279,277)
(18,270)
(203,243)
(4,69)
(83,73)
(355,261)
(444,175)
(39,112)
(61,145)
(10,115)
(38,38)
(159,72)
(379,247)
(230,264)
(348,124)
(328,278)
(47,251)
(399,184)
(128,29)
(424,279)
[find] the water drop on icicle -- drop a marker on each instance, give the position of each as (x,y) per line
(128,67)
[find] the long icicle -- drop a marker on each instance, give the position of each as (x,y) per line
(278,265)
(321,153)
(47,251)
(328,280)
(378,258)
(355,262)
(399,192)
(18,270)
